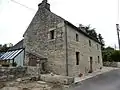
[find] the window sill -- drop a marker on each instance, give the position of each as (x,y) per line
(51,40)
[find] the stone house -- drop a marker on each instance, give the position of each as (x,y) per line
(61,47)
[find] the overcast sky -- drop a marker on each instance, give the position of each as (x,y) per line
(101,14)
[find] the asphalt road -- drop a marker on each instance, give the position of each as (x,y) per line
(107,81)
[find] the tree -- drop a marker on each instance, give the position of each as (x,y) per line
(111,55)
(115,56)
(3,48)
(92,32)
(100,38)
(87,28)
(106,54)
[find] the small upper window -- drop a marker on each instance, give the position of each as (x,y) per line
(90,43)
(97,47)
(52,34)
(77,58)
(98,59)
(77,38)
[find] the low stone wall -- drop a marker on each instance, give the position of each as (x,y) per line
(36,85)
(111,64)
(33,71)
(57,79)
(9,73)
(118,65)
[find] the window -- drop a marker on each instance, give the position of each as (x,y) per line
(43,66)
(98,59)
(90,43)
(91,65)
(91,58)
(52,34)
(77,58)
(77,38)
(97,47)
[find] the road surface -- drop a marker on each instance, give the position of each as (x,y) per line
(106,81)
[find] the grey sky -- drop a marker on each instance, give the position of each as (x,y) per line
(101,14)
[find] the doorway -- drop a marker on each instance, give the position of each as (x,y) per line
(91,65)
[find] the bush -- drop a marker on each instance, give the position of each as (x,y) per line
(115,56)
(14,64)
(111,55)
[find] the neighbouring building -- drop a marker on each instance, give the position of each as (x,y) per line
(14,56)
(65,48)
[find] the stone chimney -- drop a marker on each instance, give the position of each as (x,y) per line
(44,4)
(81,27)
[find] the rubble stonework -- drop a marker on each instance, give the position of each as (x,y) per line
(10,73)
(85,52)
(65,80)
(28,83)
(111,64)
(60,52)
(36,40)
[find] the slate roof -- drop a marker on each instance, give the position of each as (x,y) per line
(70,24)
(79,30)
(17,46)
(76,28)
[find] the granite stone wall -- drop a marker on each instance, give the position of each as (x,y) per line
(37,40)
(10,73)
(85,52)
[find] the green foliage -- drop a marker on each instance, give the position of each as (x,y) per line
(115,56)
(100,38)
(14,64)
(107,55)
(111,55)
(92,32)
(3,48)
